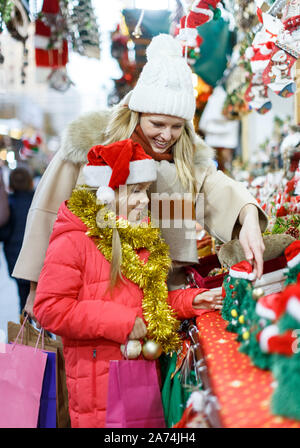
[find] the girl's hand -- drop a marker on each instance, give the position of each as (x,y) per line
(251,238)
(139,330)
(208,300)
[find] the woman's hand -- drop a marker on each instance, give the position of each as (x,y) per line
(208,300)
(251,238)
(139,330)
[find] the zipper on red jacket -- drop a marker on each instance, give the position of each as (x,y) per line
(94,378)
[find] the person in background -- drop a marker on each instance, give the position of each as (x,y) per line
(12,232)
(4,207)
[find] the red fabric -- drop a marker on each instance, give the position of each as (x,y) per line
(282,343)
(243,391)
(72,301)
(52,58)
(292,250)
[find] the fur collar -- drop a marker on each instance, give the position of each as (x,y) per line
(88,130)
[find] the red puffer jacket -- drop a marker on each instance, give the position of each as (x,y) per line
(71,301)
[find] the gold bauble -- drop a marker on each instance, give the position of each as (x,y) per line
(151,350)
(234,313)
(257,293)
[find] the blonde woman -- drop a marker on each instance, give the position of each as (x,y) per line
(158,114)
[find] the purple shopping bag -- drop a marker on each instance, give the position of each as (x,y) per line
(21,377)
(47,414)
(134,399)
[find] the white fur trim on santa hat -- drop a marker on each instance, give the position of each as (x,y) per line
(265,335)
(241,274)
(293,307)
(139,171)
(262,311)
(188,36)
(294,261)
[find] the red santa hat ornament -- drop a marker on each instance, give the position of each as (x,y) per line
(271,341)
(292,254)
(120,163)
(243,269)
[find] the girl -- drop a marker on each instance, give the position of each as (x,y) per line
(158,114)
(104,278)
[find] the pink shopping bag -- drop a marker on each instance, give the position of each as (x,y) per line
(134,399)
(21,377)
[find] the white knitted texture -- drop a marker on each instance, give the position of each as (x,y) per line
(165,83)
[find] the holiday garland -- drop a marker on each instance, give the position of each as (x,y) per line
(151,277)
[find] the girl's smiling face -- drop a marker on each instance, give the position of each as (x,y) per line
(161,131)
(132,201)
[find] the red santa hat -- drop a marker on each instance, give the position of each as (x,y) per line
(243,269)
(292,254)
(273,306)
(120,163)
(269,306)
(270,341)
(292,294)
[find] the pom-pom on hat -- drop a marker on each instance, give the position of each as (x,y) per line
(120,163)
(165,84)
(292,254)
(243,269)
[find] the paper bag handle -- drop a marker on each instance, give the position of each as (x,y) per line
(42,332)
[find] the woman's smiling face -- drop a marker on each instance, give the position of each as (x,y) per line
(161,131)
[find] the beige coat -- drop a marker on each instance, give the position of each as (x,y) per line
(223,197)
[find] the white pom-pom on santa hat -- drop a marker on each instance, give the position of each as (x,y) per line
(243,269)
(105,194)
(197,401)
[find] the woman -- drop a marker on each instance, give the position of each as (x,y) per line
(157,114)
(104,280)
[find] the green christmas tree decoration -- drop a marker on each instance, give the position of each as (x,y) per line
(286,366)
(237,291)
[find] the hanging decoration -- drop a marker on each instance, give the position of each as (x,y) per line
(83,28)
(17,25)
(51,46)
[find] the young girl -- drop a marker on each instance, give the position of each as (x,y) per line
(104,277)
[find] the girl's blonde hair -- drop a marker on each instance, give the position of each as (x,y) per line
(121,126)
(116,258)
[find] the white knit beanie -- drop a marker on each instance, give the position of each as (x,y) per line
(165,84)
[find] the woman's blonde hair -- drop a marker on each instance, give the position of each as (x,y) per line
(121,126)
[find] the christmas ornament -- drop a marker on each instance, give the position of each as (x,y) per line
(51,47)
(289,39)
(277,75)
(132,349)
(257,293)
(292,255)
(285,348)
(83,28)
(151,277)
(151,350)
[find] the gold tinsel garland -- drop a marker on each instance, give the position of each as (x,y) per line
(151,277)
